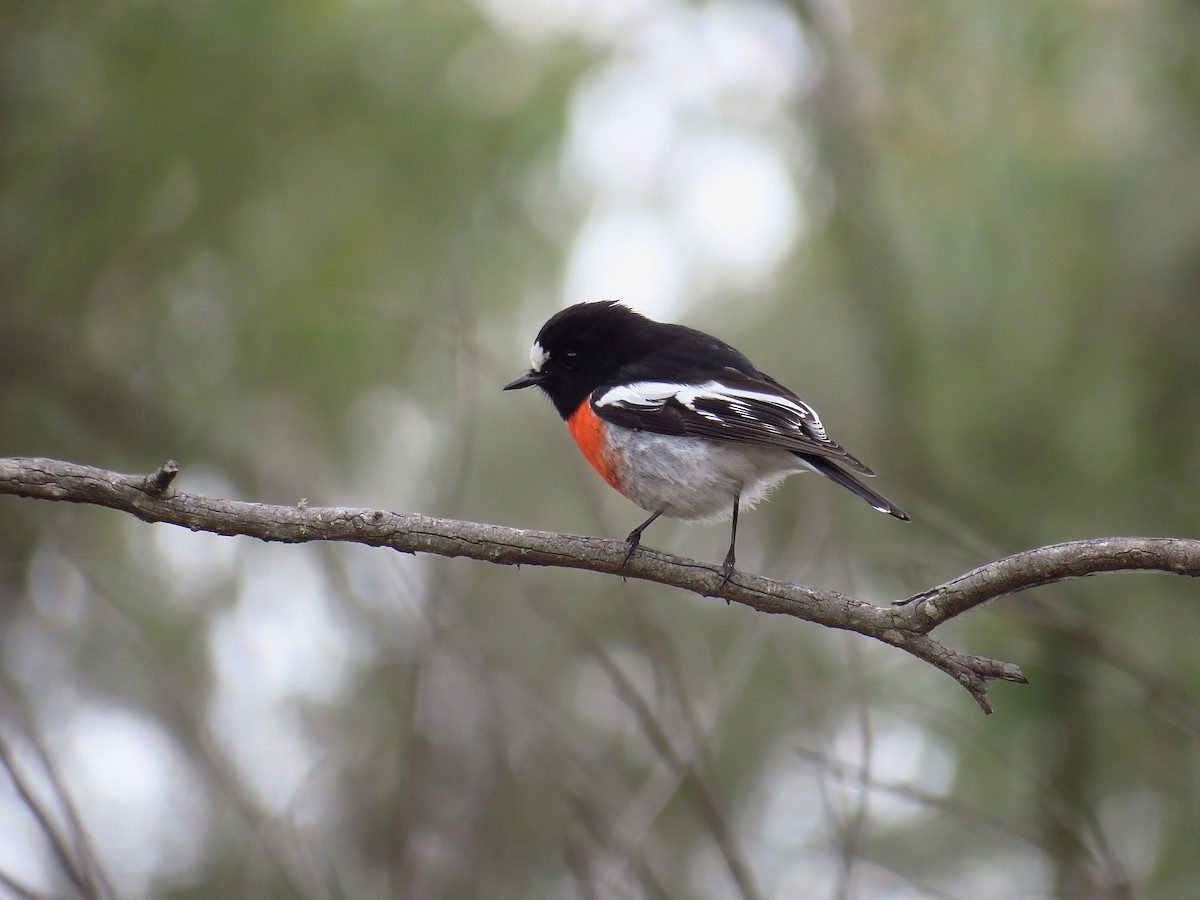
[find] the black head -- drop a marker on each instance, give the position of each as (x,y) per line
(581,347)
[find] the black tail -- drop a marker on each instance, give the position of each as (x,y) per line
(830,469)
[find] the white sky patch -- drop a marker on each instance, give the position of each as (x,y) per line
(392,436)
(545,20)
(143,806)
(796,798)
(1132,820)
(894,752)
(24,853)
(683,145)
(281,643)
(622,132)
(193,561)
(272,755)
(737,205)
(792,815)
(747,58)
(57,586)
(281,636)
(629,255)
(1002,874)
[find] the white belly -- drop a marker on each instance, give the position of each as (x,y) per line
(692,478)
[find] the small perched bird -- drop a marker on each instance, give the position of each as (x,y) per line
(678,421)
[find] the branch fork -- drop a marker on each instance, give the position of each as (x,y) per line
(905,624)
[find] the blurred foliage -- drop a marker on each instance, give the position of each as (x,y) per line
(298,247)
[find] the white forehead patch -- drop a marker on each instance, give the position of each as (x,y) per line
(537,356)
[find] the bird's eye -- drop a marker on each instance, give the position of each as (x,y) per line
(570,359)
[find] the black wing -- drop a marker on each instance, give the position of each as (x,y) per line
(733,407)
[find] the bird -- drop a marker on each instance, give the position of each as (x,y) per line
(677,420)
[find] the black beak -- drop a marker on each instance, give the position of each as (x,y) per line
(526,379)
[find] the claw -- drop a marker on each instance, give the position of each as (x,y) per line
(727,571)
(634,539)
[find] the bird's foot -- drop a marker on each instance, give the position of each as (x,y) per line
(727,570)
(634,540)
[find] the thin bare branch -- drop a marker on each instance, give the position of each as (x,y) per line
(1056,562)
(905,625)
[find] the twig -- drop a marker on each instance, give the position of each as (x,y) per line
(905,625)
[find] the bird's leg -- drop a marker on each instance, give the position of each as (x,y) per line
(730,557)
(635,537)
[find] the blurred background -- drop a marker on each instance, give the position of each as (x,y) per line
(300,246)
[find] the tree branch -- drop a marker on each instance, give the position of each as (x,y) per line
(905,625)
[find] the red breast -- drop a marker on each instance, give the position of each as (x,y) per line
(588,430)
